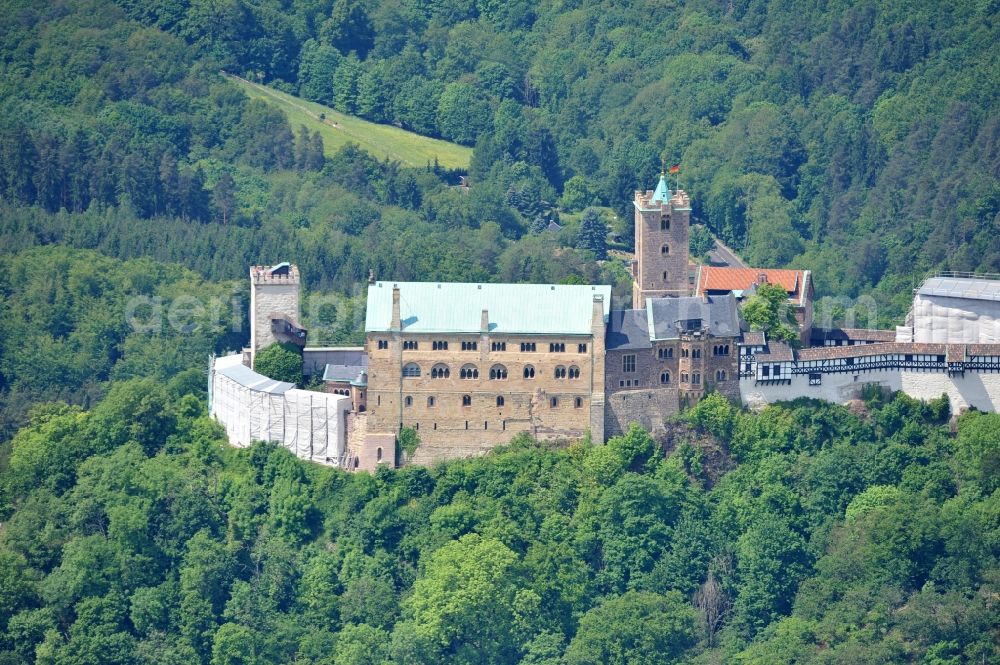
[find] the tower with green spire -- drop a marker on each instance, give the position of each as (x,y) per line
(662,227)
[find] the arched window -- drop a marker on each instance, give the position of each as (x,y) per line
(408,401)
(498,373)
(378,455)
(574,372)
(500,400)
(665,249)
(411,370)
(578,403)
(466,400)
(529,372)
(664,377)
(560,372)
(554,402)
(720,375)
(469,372)
(440,371)
(664,223)
(430,401)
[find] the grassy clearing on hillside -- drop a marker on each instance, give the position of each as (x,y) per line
(339,129)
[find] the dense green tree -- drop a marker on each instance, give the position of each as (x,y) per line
(280,361)
(637,627)
(768,310)
(463,113)
(468,607)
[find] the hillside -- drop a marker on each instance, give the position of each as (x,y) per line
(838,539)
(858,139)
(339,129)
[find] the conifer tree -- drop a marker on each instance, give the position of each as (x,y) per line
(593,234)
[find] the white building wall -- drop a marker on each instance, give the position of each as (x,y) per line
(980,390)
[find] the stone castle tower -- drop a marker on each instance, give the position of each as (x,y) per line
(274,306)
(662,227)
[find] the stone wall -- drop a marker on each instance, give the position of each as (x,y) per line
(650,408)
(435,407)
(266,298)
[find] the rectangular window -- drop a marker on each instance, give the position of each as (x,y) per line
(766,370)
(628,363)
(815,379)
(777,370)
(581,348)
(527,347)
(498,346)
(439,345)
(470,346)
(557,347)
(696,379)
(383,344)
(410,345)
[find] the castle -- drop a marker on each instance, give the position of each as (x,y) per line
(468,366)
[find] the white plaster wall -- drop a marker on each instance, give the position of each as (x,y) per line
(836,388)
(976,389)
(941,320)
(980,390)
(267,298)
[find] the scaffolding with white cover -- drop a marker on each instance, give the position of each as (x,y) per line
(252,407)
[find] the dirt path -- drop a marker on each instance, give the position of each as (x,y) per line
(267,91)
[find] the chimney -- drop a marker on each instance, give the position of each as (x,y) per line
(762,278)
(484,322)
(396,319)
(597,316)
(371,276)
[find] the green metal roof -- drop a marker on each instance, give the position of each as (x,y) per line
(432,307)
(662,192)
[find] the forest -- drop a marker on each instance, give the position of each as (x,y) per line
(858,140)
(137,183)
(806,533)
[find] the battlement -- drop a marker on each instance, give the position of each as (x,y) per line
(678,198)
(282,273)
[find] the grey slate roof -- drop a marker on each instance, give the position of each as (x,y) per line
(248,378)
(628,329)
(432,307)
(719,314)
(356,374)
(970,288)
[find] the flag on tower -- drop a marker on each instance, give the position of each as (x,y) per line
(675,169)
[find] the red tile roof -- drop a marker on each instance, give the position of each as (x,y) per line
(776,352)
(712,278)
